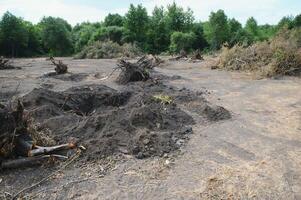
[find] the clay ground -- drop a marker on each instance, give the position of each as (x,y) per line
(255,155)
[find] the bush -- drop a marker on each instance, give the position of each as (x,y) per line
(181,41)
(279,56)
(108,49)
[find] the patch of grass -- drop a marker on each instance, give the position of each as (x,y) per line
(164,99)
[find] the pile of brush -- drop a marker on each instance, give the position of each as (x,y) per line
(280,56)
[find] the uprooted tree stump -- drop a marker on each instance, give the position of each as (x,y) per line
(197,55)
(60,67)
(6,64)
(132,72)
(150,61)
(183,55)
(16,141)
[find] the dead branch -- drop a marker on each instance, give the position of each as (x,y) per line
(30,161)
(46,150)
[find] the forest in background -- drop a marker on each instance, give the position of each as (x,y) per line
(166,30)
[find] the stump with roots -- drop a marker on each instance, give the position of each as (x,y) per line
(6,64)
(150,61)
(17,140)
(132,72)
(14,136)
(197,55)
(60,67)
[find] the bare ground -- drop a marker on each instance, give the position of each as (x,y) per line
(255,155)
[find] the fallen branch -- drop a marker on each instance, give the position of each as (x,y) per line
(30,161)
(46,150)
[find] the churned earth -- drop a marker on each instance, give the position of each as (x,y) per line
(245,141)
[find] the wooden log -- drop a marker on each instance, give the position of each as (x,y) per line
(46,150)
(30,161)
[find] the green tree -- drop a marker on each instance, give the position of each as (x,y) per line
(200,41)
(56,36)
(113,20)
(252,28)
(178,19)
(234,31)
(217,31)
(34,46)
(286,22)
(82,34)
(14,35)
(113,33)
(182,41)
(136,25)
(158,35)
(266,31)
(297,21)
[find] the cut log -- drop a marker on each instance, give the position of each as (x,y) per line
(30,161)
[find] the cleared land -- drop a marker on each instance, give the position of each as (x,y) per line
(254,155)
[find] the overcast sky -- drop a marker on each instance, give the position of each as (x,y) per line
(75,11)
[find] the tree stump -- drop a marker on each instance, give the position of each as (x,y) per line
(60,67)
(132,72)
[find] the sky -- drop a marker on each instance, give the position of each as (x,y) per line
(76,11)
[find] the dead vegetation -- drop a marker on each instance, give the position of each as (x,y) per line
(60,67)
(6,64)
(108,49)
(19,145)
(150,61)
(280,56)
(196,56)
(132,72)
(139,71)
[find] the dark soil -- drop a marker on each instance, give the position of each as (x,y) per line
(66,77)
(109,121)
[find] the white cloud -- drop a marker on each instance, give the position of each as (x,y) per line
(34,10)
(265,11)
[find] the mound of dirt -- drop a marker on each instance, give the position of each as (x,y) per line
(135,119)
(108,121)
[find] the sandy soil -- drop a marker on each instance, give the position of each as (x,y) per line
(255,155)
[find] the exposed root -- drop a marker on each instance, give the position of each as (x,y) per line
(60,67)
(132,72)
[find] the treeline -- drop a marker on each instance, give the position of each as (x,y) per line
(170,29)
